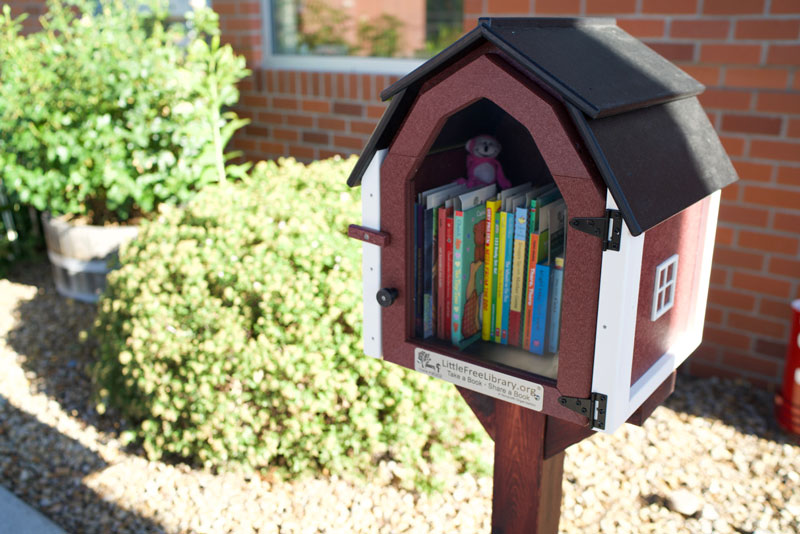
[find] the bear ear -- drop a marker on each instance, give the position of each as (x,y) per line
(470,144)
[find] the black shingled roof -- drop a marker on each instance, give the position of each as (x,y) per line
(637,112)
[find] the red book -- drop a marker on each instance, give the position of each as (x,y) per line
(448,272)
(442,322)
(533,247)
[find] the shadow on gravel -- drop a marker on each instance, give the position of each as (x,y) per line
(733,402)
(46,469)
(50,336)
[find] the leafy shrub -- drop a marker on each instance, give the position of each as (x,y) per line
(109,110)
(232,333)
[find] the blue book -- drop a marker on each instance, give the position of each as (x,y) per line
(469,232)
(540,305)
(507,276)
(554,319)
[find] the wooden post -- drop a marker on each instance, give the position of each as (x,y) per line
(527,488)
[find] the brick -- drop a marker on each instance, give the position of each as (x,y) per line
(726,338)
(346,108)
(299,120)
(755,124)
(789,176)
(779,102)
(473,6)
(736,54)
(347,141)
(784,7)
(706,353)
(607,7)
(303,153)
(249,8)
(793,129)
(763,285)
(775,308)
(558,7)
(674,51)
(738,214)
(642,28)
(726,99)
(730,7)
(703,74)
(785,267)
(331,124)
(719,276)
(508,6)
(732,299)
(704,370)
(367,92)
(734,146)
(771,196)
(375,112)
(759,78)
(240,23)
(749,323)
(767,242)
(748,362)
(779,150)
(316,106)
(325,153)
(327,84)
(285,103)
(771,29)
(317,138)
(284,134)
(362,127)
(758,172)
(341,85)
(254,101)
(724,235)
(770,348)
(713,316)
(272,148)
(732,193)
(270,118)
(786,222)
(353,86)
(699,29)
(256,131)
(669,7)
(734,257)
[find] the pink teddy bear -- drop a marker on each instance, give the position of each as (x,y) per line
(482,167)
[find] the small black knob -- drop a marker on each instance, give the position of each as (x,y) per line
(386,296)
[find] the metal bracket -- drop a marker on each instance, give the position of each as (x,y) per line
(594,408)
(600,226)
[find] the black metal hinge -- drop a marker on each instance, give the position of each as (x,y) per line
(608,228)
(594,408)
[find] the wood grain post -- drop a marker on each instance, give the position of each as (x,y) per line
(527,488)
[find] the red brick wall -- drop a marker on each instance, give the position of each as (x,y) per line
(746,52)
(34,8)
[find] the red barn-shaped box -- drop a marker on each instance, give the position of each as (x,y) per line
(619,131)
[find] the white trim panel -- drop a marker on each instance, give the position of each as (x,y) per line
(371,256)
(616,324)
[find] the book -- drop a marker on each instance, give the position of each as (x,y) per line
(516,305)
(537,251)
(469,232)
(507,275)
(448,290)
(489,282)
(419,240)
(499,274)
(442,326)
(554,313)
(539,319)
(428,271)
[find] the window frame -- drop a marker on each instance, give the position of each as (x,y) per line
(667,289)
(317,63)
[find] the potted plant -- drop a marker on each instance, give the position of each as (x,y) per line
(106,113)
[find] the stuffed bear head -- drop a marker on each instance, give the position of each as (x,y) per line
(484,146)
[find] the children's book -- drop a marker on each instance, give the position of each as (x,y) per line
(419,241)
(448,290)
(499,274)
(442,326)
(540,302)
(489,283)
(554,315)
(469,233)
(518,277)
(507,275)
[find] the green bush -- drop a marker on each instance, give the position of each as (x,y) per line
(109,110)
(232,334)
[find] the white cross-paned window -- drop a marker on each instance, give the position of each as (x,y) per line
(664,290)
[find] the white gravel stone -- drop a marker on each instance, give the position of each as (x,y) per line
(714,439)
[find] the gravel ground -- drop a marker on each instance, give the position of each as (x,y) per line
(711,460)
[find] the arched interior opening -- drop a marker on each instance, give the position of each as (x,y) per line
(490,283)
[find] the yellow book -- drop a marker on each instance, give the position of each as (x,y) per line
(499,274)
(487,325)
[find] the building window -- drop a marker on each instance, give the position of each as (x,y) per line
(336,30)
(664,292)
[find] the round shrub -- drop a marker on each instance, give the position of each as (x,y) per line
(232,335)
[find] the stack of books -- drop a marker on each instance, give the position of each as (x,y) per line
(489,265)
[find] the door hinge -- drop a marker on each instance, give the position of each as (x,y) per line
(608,228)
(594,408)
